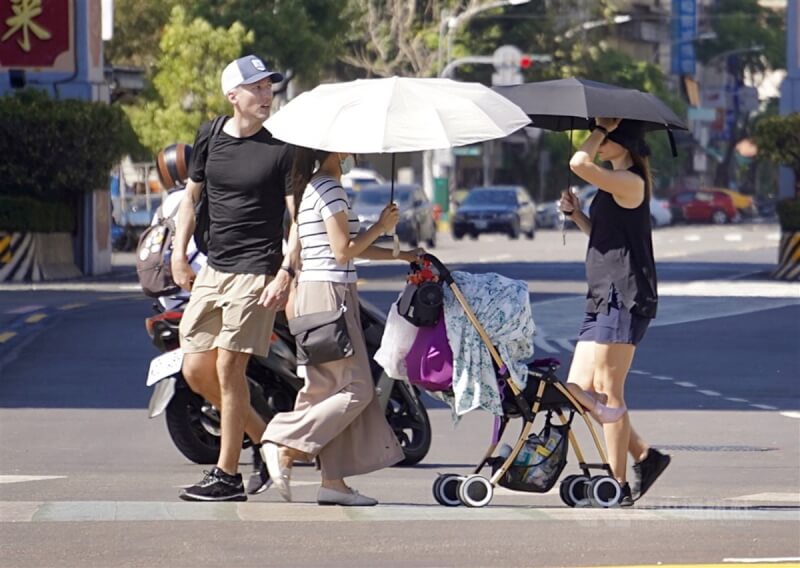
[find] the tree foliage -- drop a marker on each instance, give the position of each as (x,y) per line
(304,36)
(54,149)
(186,81)
(746,24)
(138,25)
(778,141)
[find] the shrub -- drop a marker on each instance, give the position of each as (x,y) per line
(789,214)
(29,215)
(53,150)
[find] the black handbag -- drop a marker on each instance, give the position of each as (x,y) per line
(321,337)
(421,304)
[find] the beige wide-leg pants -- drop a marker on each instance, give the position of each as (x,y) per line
(336,415)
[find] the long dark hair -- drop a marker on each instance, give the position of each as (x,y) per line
(303,167)
(642,163)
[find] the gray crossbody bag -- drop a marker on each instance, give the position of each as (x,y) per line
(321,337)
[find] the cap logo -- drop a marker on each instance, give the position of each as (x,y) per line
(258,64)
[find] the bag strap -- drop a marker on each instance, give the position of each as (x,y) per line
(216,127)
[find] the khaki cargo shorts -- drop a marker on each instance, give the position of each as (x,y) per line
(223,312)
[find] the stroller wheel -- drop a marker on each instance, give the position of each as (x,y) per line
(573,490)
(604,491)
(445,489)
(475,491)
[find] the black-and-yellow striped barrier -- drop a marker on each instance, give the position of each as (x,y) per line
(34,257)
(18,258)
(788,257)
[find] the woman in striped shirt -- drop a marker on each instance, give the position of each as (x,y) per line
(337,418)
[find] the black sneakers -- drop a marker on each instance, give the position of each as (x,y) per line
(216,486)
(627,499)
(259,480)
(648,470)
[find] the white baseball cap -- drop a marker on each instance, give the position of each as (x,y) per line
(246,70)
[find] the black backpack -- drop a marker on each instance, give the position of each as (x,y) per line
(202,218)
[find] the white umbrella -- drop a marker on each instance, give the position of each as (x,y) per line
(395,115)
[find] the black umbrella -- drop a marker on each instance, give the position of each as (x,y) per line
(565,104)
(569,104)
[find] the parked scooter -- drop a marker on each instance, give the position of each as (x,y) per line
(194,424)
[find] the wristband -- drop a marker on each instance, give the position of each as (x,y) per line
(602,129)
(288,269)
(568,213)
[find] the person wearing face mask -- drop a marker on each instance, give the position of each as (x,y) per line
(622,294)
(337,419)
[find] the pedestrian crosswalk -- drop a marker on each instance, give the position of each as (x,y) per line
(130,511)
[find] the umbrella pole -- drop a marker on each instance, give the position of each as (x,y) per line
(569,184)
(395,240)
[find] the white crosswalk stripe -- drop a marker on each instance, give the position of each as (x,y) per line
(129,511)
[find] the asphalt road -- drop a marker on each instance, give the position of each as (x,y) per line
(87,480)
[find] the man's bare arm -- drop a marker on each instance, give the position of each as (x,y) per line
(182,272)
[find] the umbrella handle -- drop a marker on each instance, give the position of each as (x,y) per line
(395,244)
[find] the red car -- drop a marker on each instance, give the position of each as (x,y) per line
(703,206)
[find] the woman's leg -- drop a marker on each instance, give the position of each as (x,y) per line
(581,371)
(612,362)
(580,384)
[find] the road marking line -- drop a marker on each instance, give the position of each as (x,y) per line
(170,511)
(778,559)
(709,393)
(686,384)
(692,238)
(5,336)
(24,478)
(542,343)
(35,318)
(733,237)
(791,414)
(734,399)
(773,237)
(72,306)
(662,378)
(774,497)
(24,309)
(565,344)
(764,406)
(636,372)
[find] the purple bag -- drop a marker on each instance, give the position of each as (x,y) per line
(430,360)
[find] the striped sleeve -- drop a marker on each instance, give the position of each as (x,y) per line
(332,200)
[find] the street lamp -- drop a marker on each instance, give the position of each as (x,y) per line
(450,23)
(620,19)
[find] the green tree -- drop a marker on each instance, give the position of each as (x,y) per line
(778,141)
(186,81)
(305,36)
(138,25)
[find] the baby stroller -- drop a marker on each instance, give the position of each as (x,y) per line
(543,394)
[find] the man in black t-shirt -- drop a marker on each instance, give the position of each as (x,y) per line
(234,298)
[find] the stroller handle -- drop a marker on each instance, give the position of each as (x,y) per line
(444,273)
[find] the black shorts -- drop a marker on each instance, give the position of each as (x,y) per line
(619,325)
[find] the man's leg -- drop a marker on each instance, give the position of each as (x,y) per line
(234,406)
(200,372)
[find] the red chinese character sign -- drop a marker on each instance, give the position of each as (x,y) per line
(37,34)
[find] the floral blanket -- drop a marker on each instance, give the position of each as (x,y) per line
(502,305)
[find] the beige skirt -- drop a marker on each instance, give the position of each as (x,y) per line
(336,416)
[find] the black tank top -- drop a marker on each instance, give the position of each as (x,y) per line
(620,255)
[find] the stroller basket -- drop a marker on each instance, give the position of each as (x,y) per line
(546,454)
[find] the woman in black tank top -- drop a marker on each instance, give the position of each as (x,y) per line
(622,290)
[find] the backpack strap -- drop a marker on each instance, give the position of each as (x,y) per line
(216,127)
